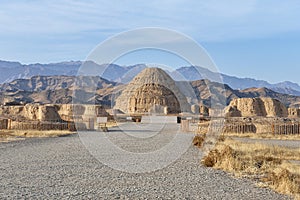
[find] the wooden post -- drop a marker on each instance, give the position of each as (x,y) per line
(280,129)
(185,125)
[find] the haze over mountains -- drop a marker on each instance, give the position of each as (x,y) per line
(123,74)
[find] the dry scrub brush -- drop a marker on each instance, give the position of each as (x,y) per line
(268,164)
(199,140)
(6,136)
(265,136)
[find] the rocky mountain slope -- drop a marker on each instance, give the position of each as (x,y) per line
(41,83)
(202,91)
(56,89)
(62,89)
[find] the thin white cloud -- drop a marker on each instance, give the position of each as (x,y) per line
(207,20)
(65,25)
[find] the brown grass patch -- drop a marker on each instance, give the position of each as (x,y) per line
(199,140)
(267,164)
(283,181)
(110,124)
(12,135)
(264,136)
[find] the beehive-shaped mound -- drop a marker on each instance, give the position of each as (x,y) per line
(152,90)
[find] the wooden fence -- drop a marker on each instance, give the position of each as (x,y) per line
(41,126)
(88,124)
(276,128)
(239,128)
(4,123)
(202,127)
(286,128)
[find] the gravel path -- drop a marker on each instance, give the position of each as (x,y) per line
(55,168)
(283,143)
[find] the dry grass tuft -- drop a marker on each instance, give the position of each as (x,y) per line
(110,124)
(268,164)
(12,135)
(264,136)
(211,159)
(225,158)
(221,138)
(199,140)
(284,181)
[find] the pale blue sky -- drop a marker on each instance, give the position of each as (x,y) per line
(249,38)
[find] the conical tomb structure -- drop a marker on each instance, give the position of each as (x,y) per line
(152,91)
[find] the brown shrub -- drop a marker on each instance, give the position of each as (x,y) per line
(284,181)
(211,159)
(269,164)
(199,140)
(221,138)
(227,151)
(224,158)
(267,161)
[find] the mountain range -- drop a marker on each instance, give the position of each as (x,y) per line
(123,74)
(94,89)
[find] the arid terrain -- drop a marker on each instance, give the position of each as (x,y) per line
(62,167)
(272,162)
(150,100)
(40,117)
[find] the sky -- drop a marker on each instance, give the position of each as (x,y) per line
(250,38)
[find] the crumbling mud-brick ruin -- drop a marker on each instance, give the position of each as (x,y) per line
(152,90)
(50,117)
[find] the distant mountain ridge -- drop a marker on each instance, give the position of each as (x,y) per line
(123,74)
(193,74)
(79,89)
